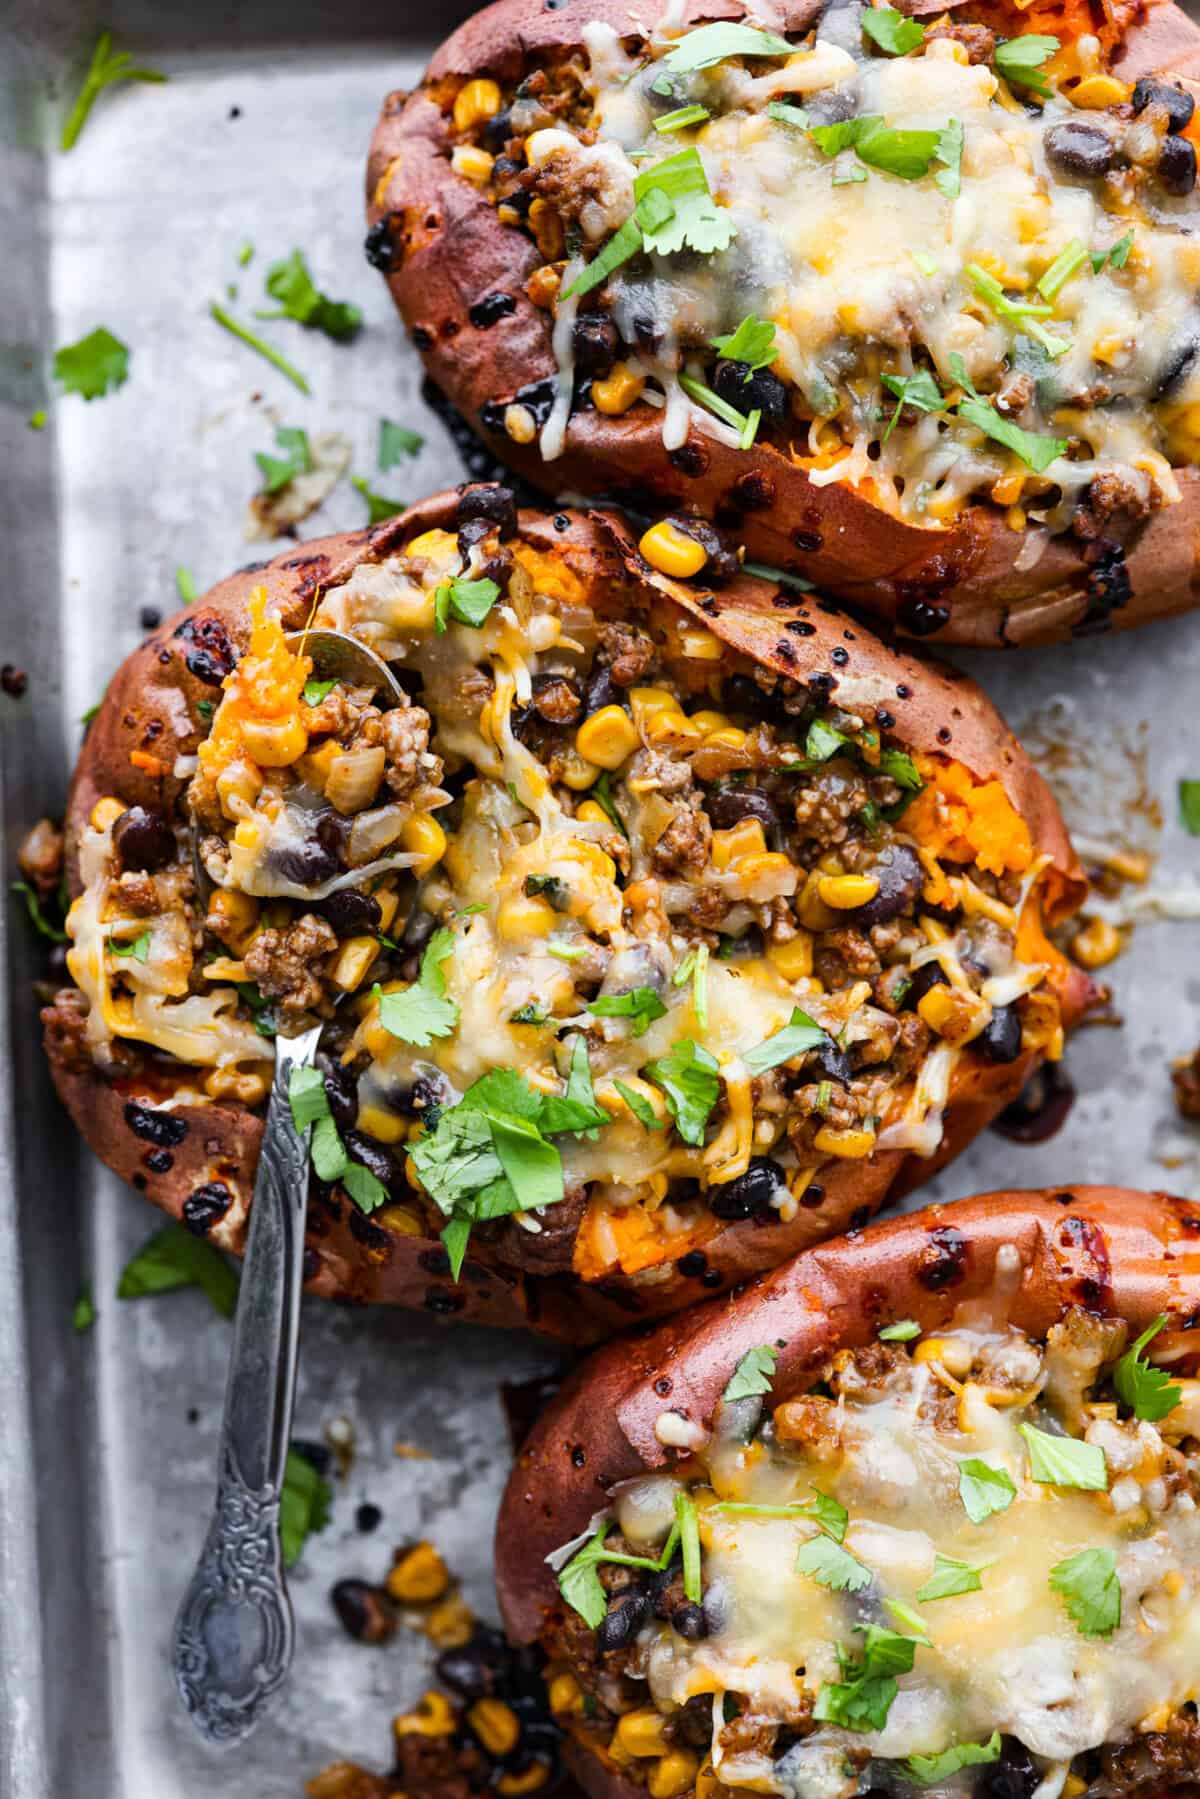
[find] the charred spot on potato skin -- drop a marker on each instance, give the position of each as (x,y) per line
(689,459)
(578,1456)
(211,655)
(442,1303)
(1094,1289)
(159,1161)
(311,1266)
(807,539)
(537,398)
(379,247)
(800,626)
(434,1261)
(1109,588)
(422,339)
(163,1129)
(204,1206)
(753,492)
(943,1261)
(663,1385)
(921,617)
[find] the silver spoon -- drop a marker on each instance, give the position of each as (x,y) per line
(234,1633)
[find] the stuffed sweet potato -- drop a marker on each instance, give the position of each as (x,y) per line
(917,1511)
(905,305)
(675,927)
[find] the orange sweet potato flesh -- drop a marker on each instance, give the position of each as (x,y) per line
(966,583)
(1118,1252)
(150,704)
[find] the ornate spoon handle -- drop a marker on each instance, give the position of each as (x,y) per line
(234,1632)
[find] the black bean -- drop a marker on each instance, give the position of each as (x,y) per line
(491,501)
(341,1089)
(375,1156)
(350,912)
(1040,1109)
(602,690)
(689,1622)
(748,1193)
(730,801)
(1078,149)
(930,974)
(378,247)
(367,1517)
(741,693)
(490,309)
(1014,1776)
(834,1063)
(900,875)
(750,390)
(204,1205)
(212,655)
(595,342)
(1180,105)
(465,1671)
(154,1126)
(363,1611)
(495,132)
(1177,165)
(306,864)
(1000,1040)
(143,839)
(622,1621)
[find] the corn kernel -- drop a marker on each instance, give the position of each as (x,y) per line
(387,900)
(248,1088)
(476,101)
(671,551)
(1096,944)
(672,730)
(105,813)
(232,917)
(793,959)
(708,1786)
(496,1725)
(713,721)
(433,1716)
(727,738)
(608,738)
(701,646)
(845,892)
(419,1576)
(352,962)
(1073,1786)
(646,701)
(386,1127)
(1098,91)
(850,1145)
(643,1732)
(576,772)
(592,813)
(525,917)
(811,909)
(472,163)
(275,743)
(770,865)
(399,1218)
(425,837)
(564,1693)
(530,1780)
(547,229)
(618,391)
(520,424)
(742,839)
(451,1623)
(673,1775)
(954,1354)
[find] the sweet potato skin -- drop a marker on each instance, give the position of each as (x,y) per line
(965,584)
(1113,1250)
(150,707)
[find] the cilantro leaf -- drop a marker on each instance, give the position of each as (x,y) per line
(98,364)
(1020,59)
(1189,806)
(821,1509)
(172,1258)
(641,1006)
(576,1109)
(984,1489)
(907,154)
(640,1106)
(457,1159)
(396,441)
(949,1578)
(907,1615)
(689,1543)
(746,423)
(894,34)
(305,1500)
(315,691)
(903,1331)
(711,44)
(1062,268)
(681,118)
(365,1189)
(1065,1461)
(696,222)
(931,1770)
(277,471)
(826,1562)
(455,1238)
(1149,1392)
(43,925)
(796,1038)
(690,1082)
(83,1313)
(467,601)
(307,1097)
(899,766)
(580,1584)
(752,343)
(291,283)
(831,140)
(948,151)
(823,741)
(379,505)
(1035,451)
(787,114)
(753,1373)
(107,67)
(864,1697)
(422,1012)
(1091,1590)
(258,344)
(919,390)
(138,948)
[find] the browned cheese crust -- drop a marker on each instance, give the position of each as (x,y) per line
(149,709)
(444,252)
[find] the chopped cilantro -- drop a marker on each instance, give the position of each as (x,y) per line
(694,968)
(259,344)
(829,1514)
(753,1373)
(641,1006)
(862,1699)
(1089,1587)
(787,114)
(948,151)
(291,283)
(467,601)
(107,67)
(1020,59)
(1148,1391)
(137,947)
(1062,268)
(745,423)
(949,1578)
(903,1331)
(689,1545)
(309,1104)
(640,1106)
(528,1014)
(681,118)
(711,44)
(832,1566)
(315,691)
(1036,452)
(44,925)
(278,471)
(422,1012)
(1025,313)
(1065,1461)
(690,1082)
(752,343)
(1116,256)
(984,1489)
(379,506)
(396,441)
(185,585)
(891,31)
(83,1313)
(696,221)
(1189,806)
(823,741)
(305,1500)
(796,1038)
(601,792)
(932,1770)
(173,1257)
(580,1584)
(37,420)
(767,571)
(918,390)
(98,364)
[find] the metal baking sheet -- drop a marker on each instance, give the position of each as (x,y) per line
(106,1440)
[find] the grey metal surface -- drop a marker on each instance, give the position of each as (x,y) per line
(107,1441)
